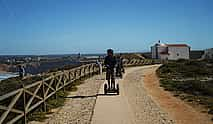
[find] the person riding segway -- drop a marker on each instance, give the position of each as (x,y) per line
(119,66)
(110,62)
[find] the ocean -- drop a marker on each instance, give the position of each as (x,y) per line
(4,76)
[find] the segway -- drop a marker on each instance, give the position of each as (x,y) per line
(111,89)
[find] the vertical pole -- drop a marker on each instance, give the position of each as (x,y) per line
(93,69)
(89,69)
(63,79)
(84,71)
(69,75)
(24,100)
(75,75)
(80,73)
(55,84)
(44,101)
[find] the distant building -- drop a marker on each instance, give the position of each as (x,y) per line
(170,51)
(208,54)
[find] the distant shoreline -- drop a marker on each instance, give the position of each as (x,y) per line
(6,75)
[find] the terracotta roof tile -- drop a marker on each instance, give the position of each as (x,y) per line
(177,45)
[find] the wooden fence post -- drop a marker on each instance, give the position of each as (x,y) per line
(75,74)
(69,75)
(90,70)
(80,70)
(63,80)
(44,106)
(84,71)
(24,105)
(93,69)
(55,86)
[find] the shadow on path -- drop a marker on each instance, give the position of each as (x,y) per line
(96,95)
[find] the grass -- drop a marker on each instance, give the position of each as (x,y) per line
(190,80)
(14,83)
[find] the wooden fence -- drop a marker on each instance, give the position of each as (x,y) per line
(17,104)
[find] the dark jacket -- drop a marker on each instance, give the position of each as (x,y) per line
(110,62)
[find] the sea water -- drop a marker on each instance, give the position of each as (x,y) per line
(4,76)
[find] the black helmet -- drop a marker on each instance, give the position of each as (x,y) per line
(110,51)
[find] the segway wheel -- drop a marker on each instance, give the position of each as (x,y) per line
(117,86)
(105,88)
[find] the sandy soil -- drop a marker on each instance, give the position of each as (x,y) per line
(181,112)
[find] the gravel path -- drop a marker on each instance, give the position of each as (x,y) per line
(144,109)
(79,105)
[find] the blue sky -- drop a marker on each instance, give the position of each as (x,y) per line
(92,26)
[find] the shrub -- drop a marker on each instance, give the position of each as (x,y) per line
(182,77)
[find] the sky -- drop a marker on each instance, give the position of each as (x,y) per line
(92,26)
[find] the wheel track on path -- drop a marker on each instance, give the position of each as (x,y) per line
(146,111)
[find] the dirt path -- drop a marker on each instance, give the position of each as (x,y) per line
(112,109)
(132,106)
(181,112)
(141,101)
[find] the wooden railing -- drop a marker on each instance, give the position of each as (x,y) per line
(17,104)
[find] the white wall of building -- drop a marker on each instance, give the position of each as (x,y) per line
(170,51)
(164,56)
(157,49)
(153,50)
(176,53)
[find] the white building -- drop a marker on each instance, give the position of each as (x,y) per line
(170,51)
